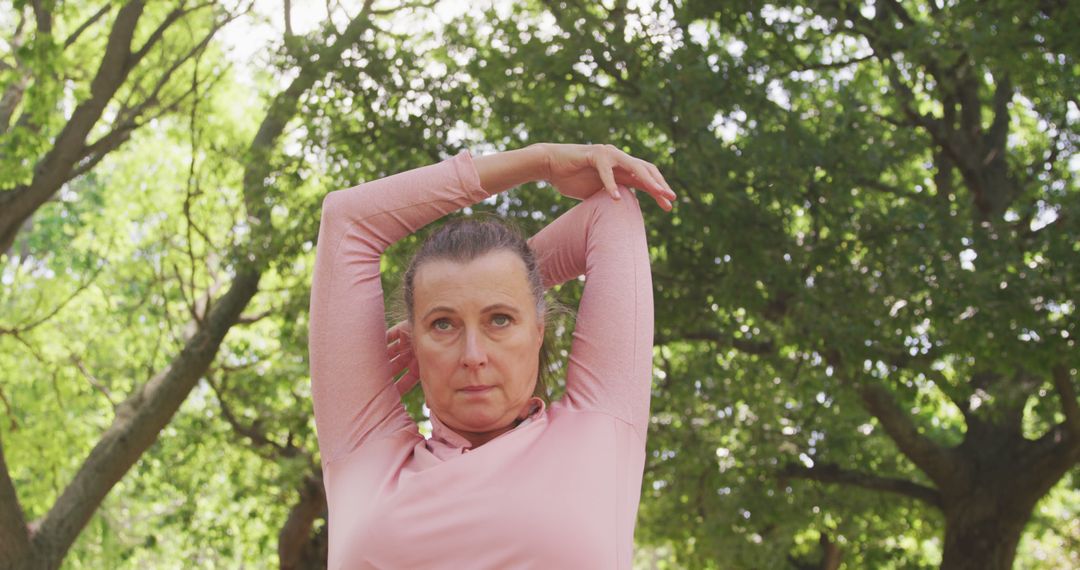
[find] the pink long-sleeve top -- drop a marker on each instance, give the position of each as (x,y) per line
(561,490)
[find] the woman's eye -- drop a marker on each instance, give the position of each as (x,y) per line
(501,320)
(441,325)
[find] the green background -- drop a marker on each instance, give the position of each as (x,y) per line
(865,296)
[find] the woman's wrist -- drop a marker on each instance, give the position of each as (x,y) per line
(507,169)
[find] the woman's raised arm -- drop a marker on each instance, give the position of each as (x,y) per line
(352,383)
(610,364)
(610,367)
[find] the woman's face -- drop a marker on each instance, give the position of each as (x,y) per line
(475,324)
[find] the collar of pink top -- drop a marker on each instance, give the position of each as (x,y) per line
(447,438)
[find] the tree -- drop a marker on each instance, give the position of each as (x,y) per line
(825,290)
(234,281)
(136,81)
(841,165)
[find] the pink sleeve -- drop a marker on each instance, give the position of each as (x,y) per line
(353,392)
(610,368)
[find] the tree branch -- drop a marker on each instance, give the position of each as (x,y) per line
(139,419)
(249,319)
(1047,459)
(743,345)
(97,384)
(55,167)
(396,9)
(70,155)
(15,547)
(253,432)
(896,8)
(13,92)
(166,76)
(999,128)
(804,66)
(11,98)
(933,459)
(282,109)
(934,126)
(96,151)
(1069,405)
(71,39)
(25,327)
(829,473)
(288,20)
(10,412)
(159,32)
(121,131)
(967,91)
(42,16)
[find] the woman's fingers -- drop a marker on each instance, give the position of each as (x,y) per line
(613,167)
(398,341)
(405,361)
(653,184)
(606,168)
(398,331)
(401,361)
(660,177)
(642,172)
(400,344)
(397,348)
(646,176)
(579,171)
(648,183)
(409,379)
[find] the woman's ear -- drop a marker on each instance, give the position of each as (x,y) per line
(540,337)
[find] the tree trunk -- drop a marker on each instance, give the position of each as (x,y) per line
(830,553)
(997,483)
(989,484)
(314,556)
(981,538)
(298,548)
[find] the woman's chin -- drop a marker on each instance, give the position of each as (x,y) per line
(479,421)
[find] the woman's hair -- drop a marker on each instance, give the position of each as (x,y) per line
(463,240)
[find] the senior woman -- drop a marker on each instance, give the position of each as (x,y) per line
(505,480)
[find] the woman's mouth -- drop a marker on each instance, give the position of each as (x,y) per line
(476,389)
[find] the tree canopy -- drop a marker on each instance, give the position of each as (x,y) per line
(865,351)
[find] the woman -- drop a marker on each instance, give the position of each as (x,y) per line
(504,481)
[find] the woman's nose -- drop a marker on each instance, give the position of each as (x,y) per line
(475,356)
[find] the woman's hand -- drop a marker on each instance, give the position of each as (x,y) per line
(399,351)
(581,170)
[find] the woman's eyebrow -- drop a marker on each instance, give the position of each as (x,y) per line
(500,307)
(435,310)
(487,309)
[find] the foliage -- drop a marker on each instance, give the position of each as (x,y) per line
(822,245)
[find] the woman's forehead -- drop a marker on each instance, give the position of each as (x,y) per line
(497,276)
